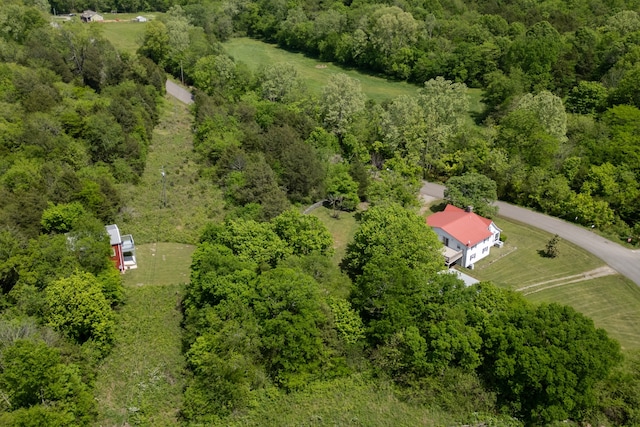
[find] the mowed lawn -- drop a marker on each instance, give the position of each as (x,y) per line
(124,36)
(613,302)
(518,263)
(160,264)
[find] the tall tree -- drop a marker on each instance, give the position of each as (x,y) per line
(342,100)
(475,190)
(544,361)
(393,231)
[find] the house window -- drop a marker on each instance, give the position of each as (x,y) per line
(485,249)
(472,257)
(113,251)
(496,237)
(445,240)
(458,247)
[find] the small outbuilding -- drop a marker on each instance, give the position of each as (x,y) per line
(140,19)
(91,16)
(123,249)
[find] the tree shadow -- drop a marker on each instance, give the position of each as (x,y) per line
(438,207)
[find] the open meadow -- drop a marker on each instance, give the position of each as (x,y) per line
(255,53)
(315,73)
(124,35)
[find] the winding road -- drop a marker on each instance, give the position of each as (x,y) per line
(624,261)
(621,259)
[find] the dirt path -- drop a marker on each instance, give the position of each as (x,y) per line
(554,283)
(619,258)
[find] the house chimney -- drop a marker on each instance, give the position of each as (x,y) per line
(469,209)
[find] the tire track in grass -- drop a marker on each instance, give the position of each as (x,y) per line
(587,275)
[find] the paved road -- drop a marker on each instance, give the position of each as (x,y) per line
(178,92)
(623,260)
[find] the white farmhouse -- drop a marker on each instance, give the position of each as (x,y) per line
(467,237)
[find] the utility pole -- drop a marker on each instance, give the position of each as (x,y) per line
(164,188)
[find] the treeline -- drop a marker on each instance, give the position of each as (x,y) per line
(76,118)
(570,150)
(267,314)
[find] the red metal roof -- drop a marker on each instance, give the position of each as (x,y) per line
(466,227)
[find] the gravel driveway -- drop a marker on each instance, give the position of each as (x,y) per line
(624,261)
(178,92)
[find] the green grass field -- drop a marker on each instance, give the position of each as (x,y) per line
(161,264)
(191,201)
(341,229)
(519,264)
(125,36)
(613,302)
(315,73)
(140,382)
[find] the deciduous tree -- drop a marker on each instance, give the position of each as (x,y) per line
(475,190)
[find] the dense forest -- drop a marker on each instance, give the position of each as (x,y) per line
(267,313)
(559,127)
(76,118)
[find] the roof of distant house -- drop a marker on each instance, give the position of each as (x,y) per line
(114,234)
(89,13)
(467,227)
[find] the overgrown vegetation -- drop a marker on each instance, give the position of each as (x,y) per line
(76,118)
(269,317)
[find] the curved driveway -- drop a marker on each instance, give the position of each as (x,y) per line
(623,260)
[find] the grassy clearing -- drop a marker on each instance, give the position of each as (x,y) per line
(191,202)
(341,229)
(125,36)
(518,263)
(342,402)
(140,382)
(161,264)
(315,73)
(613,302)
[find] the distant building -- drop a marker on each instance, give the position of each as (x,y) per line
(91,16)
(123,249)
(140,19)
(467,236)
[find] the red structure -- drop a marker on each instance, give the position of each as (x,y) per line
(123,249)
(116,246)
